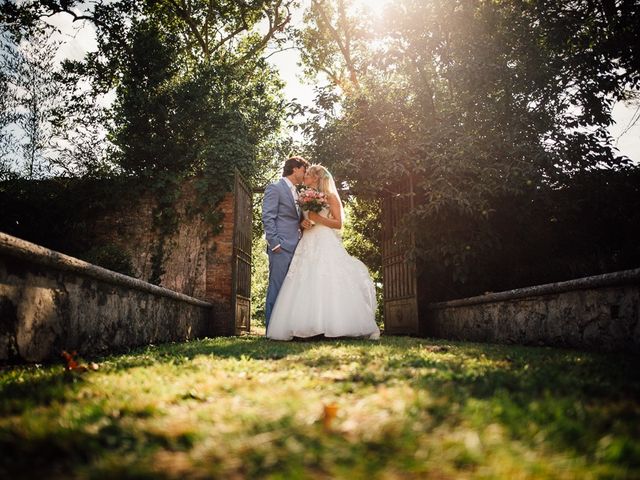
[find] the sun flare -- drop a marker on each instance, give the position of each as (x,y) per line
(375,6)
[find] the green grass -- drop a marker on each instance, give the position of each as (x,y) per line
(250,408)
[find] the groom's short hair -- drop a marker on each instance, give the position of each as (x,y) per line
(294,162)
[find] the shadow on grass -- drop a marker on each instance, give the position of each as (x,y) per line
(551,399)
(28,387)
(54,456)
(571,401)
(245,347)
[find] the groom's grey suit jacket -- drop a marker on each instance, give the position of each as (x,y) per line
(280,217)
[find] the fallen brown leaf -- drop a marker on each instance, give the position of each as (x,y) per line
(436,348)
(73,365)
(329,414)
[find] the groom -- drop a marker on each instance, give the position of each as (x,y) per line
(281,217)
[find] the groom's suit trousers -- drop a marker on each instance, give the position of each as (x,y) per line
(278,268)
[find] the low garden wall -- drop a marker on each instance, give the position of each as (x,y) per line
(597,313)
(51,302)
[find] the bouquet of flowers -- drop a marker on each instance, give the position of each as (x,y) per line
(311,200)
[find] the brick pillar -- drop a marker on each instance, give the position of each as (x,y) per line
(219,272)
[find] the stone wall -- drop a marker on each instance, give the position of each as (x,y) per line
(598,313)
(51,302)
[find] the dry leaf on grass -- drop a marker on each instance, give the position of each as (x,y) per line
(436,348)
(329,414)
(73,365)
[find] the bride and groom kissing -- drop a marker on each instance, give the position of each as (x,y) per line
(315,287)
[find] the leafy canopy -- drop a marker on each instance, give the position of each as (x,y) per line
(484,105)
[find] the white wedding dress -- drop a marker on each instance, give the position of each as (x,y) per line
(326,291)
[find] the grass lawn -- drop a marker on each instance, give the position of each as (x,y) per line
(250,408)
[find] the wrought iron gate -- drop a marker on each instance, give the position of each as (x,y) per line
(399,274)
(242,234)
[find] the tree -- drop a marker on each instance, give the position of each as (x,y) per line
(30,97)
(194,98)
(480,103)
(220,42)
(7,116)
(335,42)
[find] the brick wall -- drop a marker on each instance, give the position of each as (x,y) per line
(219,271)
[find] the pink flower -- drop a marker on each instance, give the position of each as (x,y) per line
(312,200)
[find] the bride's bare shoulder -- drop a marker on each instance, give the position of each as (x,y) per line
(332,197)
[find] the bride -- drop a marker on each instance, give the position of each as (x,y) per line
(326,291)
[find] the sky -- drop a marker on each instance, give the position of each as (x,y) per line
(80,39)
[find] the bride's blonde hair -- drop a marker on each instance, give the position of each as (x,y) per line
(326,184)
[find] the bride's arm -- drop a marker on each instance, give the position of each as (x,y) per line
(336,214)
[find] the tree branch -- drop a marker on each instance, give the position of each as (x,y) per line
(182,11)
(55,9)
(280,50)
(276,24)
(335,35)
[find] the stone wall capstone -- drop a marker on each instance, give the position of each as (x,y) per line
(51,302)
(595,313)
